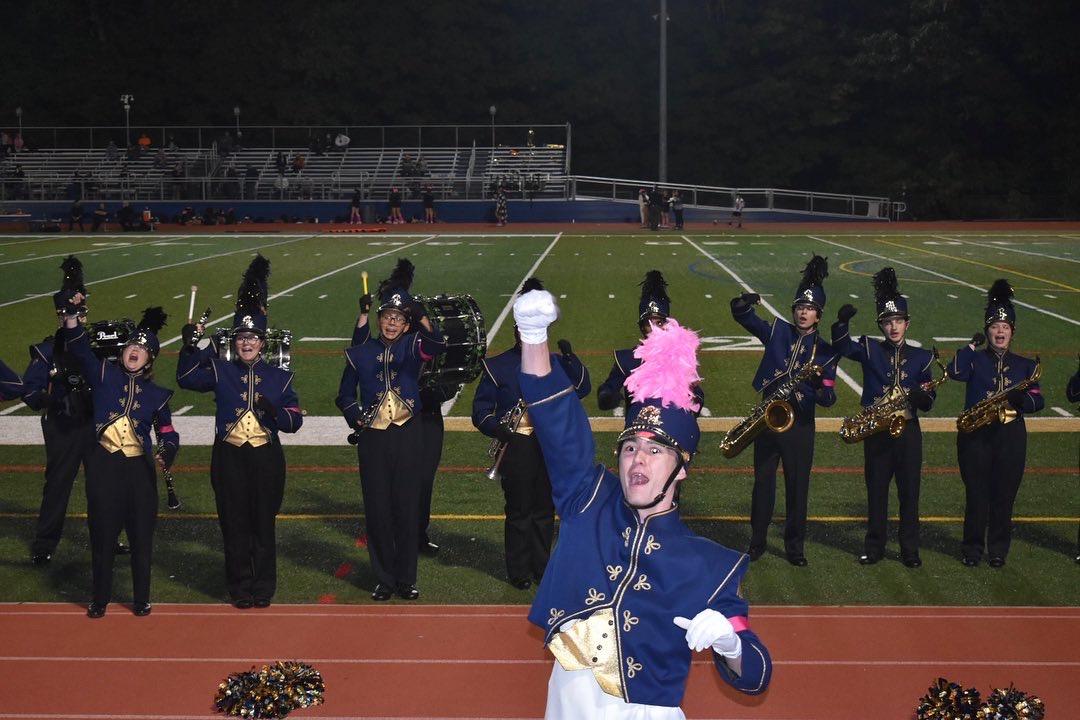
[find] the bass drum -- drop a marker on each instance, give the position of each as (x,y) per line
(107,337)
(459,319)
(277,350)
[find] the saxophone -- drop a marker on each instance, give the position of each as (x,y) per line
(996,407)
(887,415)
(773,412)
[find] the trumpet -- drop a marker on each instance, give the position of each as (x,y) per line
(511,420)
(996,407)
(887,415)
(197,336)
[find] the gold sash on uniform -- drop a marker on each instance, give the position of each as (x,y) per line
(119,436)
(392,411)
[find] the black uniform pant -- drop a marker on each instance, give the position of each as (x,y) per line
(678,219)
(67,445)
(991,463)
(795,448)
(654,217)
(249,484)
(121,493)
(530,511)
(432,423)
(391,471)
(884,457)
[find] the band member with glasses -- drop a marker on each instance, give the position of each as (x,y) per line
(255,401)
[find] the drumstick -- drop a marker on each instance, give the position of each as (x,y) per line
(191,307)
(363,276)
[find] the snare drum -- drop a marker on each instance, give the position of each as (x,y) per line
(459,319)
(277,346)
(107,337)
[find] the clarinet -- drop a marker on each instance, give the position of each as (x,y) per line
(173,500)
(197,336)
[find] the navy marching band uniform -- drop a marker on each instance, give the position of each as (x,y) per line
(121,476)
(11,385)
(786,351)
(889,369)
(390,437)
(530,514)
(622,578)
(254,402)
(1072,394)
(992,457)
(653,307)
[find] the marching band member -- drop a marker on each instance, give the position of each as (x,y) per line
(255,401)
(890,366)
(653,309)
(11,385)
(530,514)
(387,371)
(631,592)
(54,383)
(1072,394)
(121,479)
(992,457)
(789,346)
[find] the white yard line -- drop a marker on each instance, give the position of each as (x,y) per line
(73,252)
(215,321)
(958,281)
(1002,247)
(848,380)
(164,267)
(449,404)
(14,408)
(1061,411)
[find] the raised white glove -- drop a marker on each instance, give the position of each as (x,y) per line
(533,312)
(710,628)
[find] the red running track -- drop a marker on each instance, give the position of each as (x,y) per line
(416,661)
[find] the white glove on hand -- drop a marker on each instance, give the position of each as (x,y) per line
(710,628)
(533,312)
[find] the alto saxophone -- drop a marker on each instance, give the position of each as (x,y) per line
(773,412)
(996,407)
(511,420)
(887,415)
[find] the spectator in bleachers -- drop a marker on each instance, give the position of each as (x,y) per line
(172,146)
(18,143)
(341,141)
(144,142)
(429,205)
(502,209)
(161,160)
(112,153)
(281,163)
(298,163)
(5,144)
(75,216)
(133,152)
(354,208)
(126,217)
(396,217)
(101,217)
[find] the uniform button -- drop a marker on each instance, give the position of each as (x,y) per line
(604,635)
(610,622)
(599,647)
(594,659)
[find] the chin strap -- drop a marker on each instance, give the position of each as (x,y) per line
(679,465)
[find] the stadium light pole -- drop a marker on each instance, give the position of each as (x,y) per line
(18,114)
(491,110)
(127,99)
(663,20)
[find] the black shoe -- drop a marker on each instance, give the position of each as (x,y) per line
(96,610)
(797,560)
(381,593)
(521,583)
(913,562)
(406,591)
(969,561)
(996,561)
(755,552)
(262,602)
(869,559)
(243,603)
(40,559)
(122,549)
(429,548)
(141,609)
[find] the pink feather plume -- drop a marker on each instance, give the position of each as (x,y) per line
(668,366)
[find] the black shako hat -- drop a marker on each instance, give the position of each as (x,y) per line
(887,297)
(811,290)
(654,298)
(393,292)
(999,305)
(252,298)
(69,286)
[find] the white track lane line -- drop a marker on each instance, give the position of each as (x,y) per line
(848,380)
(449,404)
(396,249)
(958,281)
(1002,247)
(164,267)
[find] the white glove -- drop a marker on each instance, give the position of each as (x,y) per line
(710,628)
(533,312)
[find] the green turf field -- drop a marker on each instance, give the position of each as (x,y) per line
(314,286)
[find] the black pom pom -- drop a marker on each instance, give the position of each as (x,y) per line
(400,278)
(73,274)
(1000,292)
(885,288)
(653,287)
(532,283)
(153,319)
(253,290)
(815,272)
